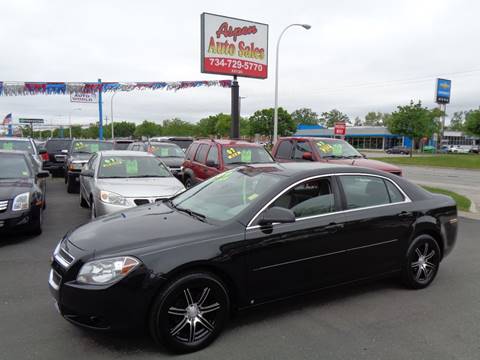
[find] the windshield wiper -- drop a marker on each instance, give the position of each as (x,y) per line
(190,212)
(82,152)
(145,176)
(355,156)
(334,157)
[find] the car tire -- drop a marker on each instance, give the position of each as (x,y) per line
(71,187)
(83,202)
(188,182)
(421,262)
(36,228)
(190,312)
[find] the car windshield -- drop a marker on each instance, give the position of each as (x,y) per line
(13,167)
(166,150)
(184,144)
(90,147)
(333,148)
(16,145)
(131,167)
(227,194)
(245,155)
(121,145)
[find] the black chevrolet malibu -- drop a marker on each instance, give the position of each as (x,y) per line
(243,238)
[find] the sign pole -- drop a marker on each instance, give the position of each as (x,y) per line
(235,127)
(100,111)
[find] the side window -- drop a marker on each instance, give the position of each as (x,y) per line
(395,194)
(213,155)
(201,153)
(314,197)
(362,191)
(301,147)
(191,151)
(284,150)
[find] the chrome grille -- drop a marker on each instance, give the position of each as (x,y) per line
(63,257)
(54,279)
(141,201)
(3,205)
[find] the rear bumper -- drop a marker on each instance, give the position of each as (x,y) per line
(53,166)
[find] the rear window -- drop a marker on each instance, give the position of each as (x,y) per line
(57,145)
(184,144)
(16,145)
(166,150)
(245,155)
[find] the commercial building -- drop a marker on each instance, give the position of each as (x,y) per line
(379,138)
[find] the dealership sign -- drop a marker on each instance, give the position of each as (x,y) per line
(340,128)
(442,92)
(232,46)
(84,98)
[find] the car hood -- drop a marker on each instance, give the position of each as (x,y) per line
(174,162)
(142,187)
(9,188)
(136,228)
(372,164)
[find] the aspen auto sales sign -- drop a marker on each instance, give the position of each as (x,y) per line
(234,47)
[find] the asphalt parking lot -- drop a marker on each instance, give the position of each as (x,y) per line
(379,320)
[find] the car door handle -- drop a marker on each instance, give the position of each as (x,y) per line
(405,213)
(333,227)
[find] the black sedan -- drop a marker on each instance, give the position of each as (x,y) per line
(402,150)
(246,237)
(22,193)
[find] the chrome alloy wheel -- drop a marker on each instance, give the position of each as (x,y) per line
(423,263)
(191,320)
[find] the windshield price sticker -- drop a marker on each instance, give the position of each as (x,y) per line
(337,150)
(107,163)
(233,153)
(324,147)
(131,167)
(163,152)
(94,147)
(7,146)
(247,156)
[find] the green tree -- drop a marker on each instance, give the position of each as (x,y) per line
(457,123)
(415,121)
(206,126)
(91,132)
(223,125)
(329,118)
(374,119)
(472,122)
(261,122)
(148,129)
(305,116)
(177,127)
(358,122)
(124,128)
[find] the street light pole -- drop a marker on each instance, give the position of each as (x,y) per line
(275,113)
(111,113)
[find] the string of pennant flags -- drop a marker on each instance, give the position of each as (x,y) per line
(17,88)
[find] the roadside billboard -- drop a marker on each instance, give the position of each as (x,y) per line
(84,98)
(442,91)
(231,46)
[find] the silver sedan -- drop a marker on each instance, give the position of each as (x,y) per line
(112,181)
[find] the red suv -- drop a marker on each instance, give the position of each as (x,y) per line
(326,150)
(207,158)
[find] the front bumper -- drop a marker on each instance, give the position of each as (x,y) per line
(18,220)
(102,208)
(123,305)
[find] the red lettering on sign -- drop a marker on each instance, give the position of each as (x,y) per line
(229,31)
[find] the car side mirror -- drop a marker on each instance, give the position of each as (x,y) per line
(363,155)
(43,174)
(277,214)
(211,163)
(42,151)
(307,156)
(87,172)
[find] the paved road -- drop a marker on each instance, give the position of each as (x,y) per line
(374,321)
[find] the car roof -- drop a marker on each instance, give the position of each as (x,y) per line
(14,138)
(313,138)
(16,152)
(124,153)
(162,143)
(226,142)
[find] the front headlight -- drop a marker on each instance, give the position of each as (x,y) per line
(112,198)
(21,202)
(106,271)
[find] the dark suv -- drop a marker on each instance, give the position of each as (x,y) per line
(207,158)
(57,151)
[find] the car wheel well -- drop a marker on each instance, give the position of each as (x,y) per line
(435,235)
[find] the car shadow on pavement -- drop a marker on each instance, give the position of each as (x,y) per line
(7,239)
(140,341)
